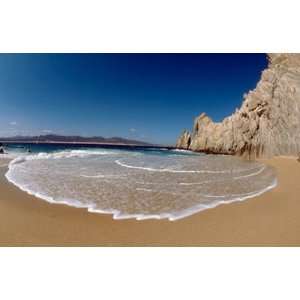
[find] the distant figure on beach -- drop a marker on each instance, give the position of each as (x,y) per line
(1,149)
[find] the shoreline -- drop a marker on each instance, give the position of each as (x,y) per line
(243,223)
(118,215)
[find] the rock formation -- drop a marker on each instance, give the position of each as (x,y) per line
(268,122)
(184,140)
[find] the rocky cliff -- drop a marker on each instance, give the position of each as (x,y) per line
(267,123)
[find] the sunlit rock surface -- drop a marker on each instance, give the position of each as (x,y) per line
(266,124)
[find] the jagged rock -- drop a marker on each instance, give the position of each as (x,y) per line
(184,140)
(267,123)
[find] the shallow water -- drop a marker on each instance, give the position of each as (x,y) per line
(141,184)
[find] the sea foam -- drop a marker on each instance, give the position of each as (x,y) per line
(139,184)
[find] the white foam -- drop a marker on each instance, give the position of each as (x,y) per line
(117,214)
(183,151)
(174,216)
(102,176)
(120,163)
(16,159)
(69,154)
(235,178)
(201,183)
(252,174)
(201,207)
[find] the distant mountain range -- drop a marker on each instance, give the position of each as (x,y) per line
(53,138)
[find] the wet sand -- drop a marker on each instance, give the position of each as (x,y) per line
(272,219)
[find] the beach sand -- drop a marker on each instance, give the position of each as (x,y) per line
(272,219)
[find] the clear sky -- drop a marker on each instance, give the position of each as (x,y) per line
(150,97)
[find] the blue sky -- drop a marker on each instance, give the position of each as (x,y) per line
(150,97)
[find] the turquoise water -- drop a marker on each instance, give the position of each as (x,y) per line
(138,183)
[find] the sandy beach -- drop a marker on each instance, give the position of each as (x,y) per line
(272,219)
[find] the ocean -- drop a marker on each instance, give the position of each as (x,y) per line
(135,182)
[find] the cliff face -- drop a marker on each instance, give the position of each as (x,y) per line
(268,122)
(184,140)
